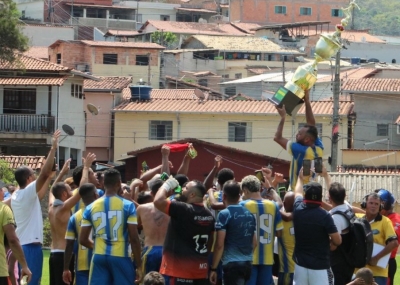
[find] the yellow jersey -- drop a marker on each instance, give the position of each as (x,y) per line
(286,248)
(83,254)
(382,229)
(109,217)
(6,218)
(268,221)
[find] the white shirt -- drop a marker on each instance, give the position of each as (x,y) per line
(341,222)
(28,214)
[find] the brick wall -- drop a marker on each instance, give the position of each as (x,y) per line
(263,12)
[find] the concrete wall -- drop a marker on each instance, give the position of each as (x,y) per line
(373,109)
(132,131)
(31,8)
(356,157)
(382,52)
(46,35)
(153,10)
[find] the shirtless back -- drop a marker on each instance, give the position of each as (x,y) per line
(155,224)
(58,226)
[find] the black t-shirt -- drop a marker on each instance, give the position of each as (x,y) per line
(312,226)
(185,252)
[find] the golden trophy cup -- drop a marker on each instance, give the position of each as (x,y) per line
(291,95)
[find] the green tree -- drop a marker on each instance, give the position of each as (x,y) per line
(163,38)
(6,173)
(11,38)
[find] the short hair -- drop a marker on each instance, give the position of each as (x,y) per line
(144,198)
(99,175)
(232,191)
(153,278)
(70,181)
(199,188)
(77,175)
(312,131)
(374,196)
(182,179)
(225,174)
(58,189)
(155,185)
(366,275)
(87,190)
(251,183)
(22,174)
(111,177)
(337,193)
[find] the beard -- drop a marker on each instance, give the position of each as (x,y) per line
(181,198)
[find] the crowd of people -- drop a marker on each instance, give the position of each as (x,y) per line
(168,229)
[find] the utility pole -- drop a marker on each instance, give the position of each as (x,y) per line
(149,70)
(335,117)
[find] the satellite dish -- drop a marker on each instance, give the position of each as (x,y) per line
(92,109)
(68,130)
(199,94)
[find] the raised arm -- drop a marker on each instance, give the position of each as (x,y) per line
(150,174)
(278,135)
(45,173)
(165,159)
(46,186)
(298,190)
(309,113)
(87,164)
(184,168)
(208,182)
(160,201)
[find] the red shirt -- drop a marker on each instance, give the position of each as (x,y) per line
(395,218)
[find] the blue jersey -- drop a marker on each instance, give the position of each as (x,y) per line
(239,225)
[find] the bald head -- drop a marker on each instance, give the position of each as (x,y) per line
(288,201)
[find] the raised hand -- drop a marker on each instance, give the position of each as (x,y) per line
(281,111)
(165,150)
(218,161)
(54,139)
(90,157)
(278,178)
(66,165)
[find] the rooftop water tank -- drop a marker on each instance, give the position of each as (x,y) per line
(140,92)
(355,60)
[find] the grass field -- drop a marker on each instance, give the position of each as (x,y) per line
(46,253)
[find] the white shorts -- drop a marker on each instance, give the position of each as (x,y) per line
(305,276)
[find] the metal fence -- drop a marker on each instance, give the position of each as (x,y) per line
(21,123)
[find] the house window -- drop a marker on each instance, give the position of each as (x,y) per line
(280,9)
(268,57)
(231,91)
(22,101)
(164,17)
(225,76)
(238,75)
(110,58)
(318,126)
(305,11)
(142,60)
(80,91)
(239,132)
(203,82)
(160,130)
(72,90)
(382,130)
(59,58)
(337,13)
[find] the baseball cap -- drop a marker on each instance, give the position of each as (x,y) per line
(386,196)
(313,193)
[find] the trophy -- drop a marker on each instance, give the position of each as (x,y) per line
(291,95)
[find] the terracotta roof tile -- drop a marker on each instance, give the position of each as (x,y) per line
(242,97)
(259,70)
(368,170)
(34,162)
(126,93)
(360,36)
(107,83)
(32,81)
(214,93)
(219,106)
(379,85)
(243,44)
(356,73)
(245,27)
(32,64)
(124,44)
(41,52)
(194,28)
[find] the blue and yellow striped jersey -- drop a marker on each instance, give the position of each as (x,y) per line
(268,220)
(83,254)
(286,248)
(80,205)
(109,217)
(300,152)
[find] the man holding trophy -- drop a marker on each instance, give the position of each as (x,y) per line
(287,99)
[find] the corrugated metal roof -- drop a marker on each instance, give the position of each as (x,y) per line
(379,85)
(107,83)
(32,81)
(248,44)
(121,33)
(196,10)
(189,105)
(34,162)
(246,27)
(123,44)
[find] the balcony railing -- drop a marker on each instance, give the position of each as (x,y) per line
(22,123)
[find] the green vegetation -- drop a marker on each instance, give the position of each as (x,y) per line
(6,173)
(381,17)
(12,39)
(163,38)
